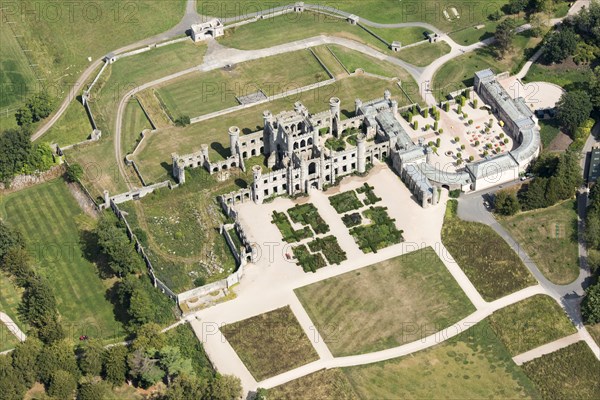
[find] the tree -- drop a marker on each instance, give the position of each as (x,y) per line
(505,33)
(11,387)
(573,109)
(24,116)
(143,366)
(225,387)
(184,120)
(115,365)
(9,238)
(16,262)
(41,158)
(57,356)
(93,389)
(506,203)
(516,6)
(594,88)
(148,336)
(113,242)
(74,173)
(39,307)
(539,24)
(24,360)
(590,306)
(559,45)
(174,364)
(62,385)
(186,387)
(91,355)
(40,105)
(15,150)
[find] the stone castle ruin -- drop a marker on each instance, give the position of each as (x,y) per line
(293,143)
(211,29)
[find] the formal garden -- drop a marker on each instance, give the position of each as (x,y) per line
(381,232)
(271,343)
(307,214)
(330,248)
(308,261)
(346,201)
(352,219)
(290,235)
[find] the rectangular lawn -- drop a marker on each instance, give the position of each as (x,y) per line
(270,343)
(52,222)
(386,304)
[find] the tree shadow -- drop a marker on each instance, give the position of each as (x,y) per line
(119,309)
(90,248)
(218,147)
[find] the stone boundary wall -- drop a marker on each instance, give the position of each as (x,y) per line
(271,98)
(140,249)
(135,52)
(140,193)
(179,40)
(376,36)
(338,60)
(21,182)
(84,189)
(321,63)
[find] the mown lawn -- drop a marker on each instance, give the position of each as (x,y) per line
(323,385)
(10,298)
(134,122)
(270,343)
(549,236)
(487,260)
(386,304)
(549,129)
(472,365)
(52,222)
(73,127)
(530,323)
(424,54)
(569,373)
(201,93)
(567,74)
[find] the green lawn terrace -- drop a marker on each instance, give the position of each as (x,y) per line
(179,230)
(202,93)
(55,228)
(371,308)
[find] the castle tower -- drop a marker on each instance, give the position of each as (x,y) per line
(395,108)
(178,168)
(204,149)
(106,199)
(361,156)
(269,135)
(387,95)
(234,136)
(357,105)
(334,108)
(256,185)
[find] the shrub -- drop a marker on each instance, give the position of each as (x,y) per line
(470,122)
(475,103)
(441,130)
(416,125)
(183,120)
(74,173)
(462,146)
(425,112)
(456,139)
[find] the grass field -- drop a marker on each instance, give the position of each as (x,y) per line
(386,304)
(116,81)
(72,32)
(134,122)
(327,58)
(487,260)
(157,152)
(568,75)
(549,129)
(270,343)
(73,127)
(288,28)
(570,373)
(322,385)
(7,339)
(52,222)
(202,93)
(549,236)
(458,73)
(185,243)
(530,323)
(10,298)
(473,365)
(424,54)
(383,11)
(594,330)
(17,78)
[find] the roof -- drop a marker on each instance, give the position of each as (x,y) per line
(594,173)
(530,144)
(492,166)
(445,177)
(516,110)
(418,178)
(392,128)
(213,23)
(413,154)
(485,74)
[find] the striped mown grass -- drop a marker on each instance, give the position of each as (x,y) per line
(50,219)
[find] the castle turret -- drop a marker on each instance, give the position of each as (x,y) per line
(387,95)
(256,185)
(204,149)
(335,108)
(178,168)
(357,105)
(106,199)
(268,134)
(395,108)
(234,136)
(361,156)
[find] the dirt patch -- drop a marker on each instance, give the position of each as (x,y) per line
(84,201)
(560,143)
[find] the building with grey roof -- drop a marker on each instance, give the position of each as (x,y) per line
(594,171)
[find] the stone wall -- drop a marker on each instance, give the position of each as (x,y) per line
(20,182)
